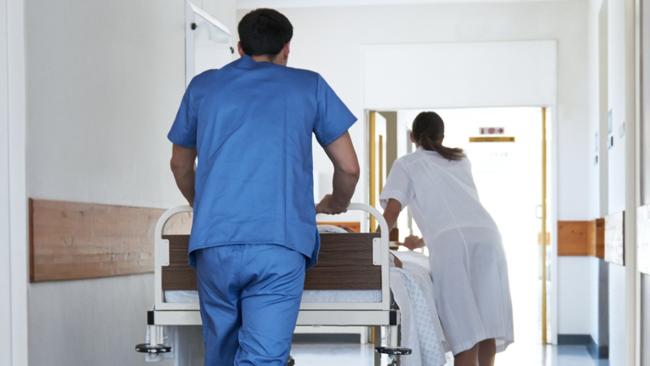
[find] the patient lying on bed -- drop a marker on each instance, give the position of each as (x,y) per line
(412,289)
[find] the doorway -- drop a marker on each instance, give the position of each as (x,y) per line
(506,148)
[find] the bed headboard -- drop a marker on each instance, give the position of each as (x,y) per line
(345,263)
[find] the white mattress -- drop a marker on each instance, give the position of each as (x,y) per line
(324,296)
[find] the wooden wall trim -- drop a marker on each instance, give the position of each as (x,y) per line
(600,238)
(71,241)
(581,238)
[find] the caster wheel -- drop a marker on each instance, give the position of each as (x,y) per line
(291,361)
(153,350)
(394,351)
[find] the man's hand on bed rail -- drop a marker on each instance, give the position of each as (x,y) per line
(330,206)
(346,175)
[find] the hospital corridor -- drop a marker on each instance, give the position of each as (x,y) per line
(325,182)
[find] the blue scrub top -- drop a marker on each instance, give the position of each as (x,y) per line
(251,124)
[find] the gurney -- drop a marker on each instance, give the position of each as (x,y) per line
(349,287)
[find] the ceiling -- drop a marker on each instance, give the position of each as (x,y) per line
(248,4)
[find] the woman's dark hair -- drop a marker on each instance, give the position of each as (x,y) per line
(429,131)
(264,32)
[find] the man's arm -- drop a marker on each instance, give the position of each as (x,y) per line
(346,175)
(182,165)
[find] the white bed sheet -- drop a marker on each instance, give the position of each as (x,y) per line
(412,289)
(322,296)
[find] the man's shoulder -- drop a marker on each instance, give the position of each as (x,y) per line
(202,82)
(300,71)
(204,77)
(302,74)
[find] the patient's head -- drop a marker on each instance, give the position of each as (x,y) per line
(428,132)
(265,32)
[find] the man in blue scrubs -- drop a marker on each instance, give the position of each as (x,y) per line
(254,233)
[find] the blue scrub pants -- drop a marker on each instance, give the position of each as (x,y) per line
(250,297)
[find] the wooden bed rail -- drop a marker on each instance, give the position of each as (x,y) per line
(345,263)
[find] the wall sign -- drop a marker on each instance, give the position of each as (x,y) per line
(492,130)
(643,239)
(615,238)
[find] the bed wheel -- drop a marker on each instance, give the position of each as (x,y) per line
(394,353)
(151,349)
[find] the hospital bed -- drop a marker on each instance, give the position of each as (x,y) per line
(349,287)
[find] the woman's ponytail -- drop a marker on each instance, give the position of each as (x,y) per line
(429,131)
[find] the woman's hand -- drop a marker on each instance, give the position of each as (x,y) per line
(397,262)
(413,242)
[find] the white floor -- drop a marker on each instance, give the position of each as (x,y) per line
(362,355)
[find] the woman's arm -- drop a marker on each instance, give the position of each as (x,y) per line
(391,212)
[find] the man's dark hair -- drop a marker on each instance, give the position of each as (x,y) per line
(264,32)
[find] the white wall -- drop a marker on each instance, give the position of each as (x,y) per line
(330,40)
(96,322)
(617,332)
(13,229)
(576,308)
(645,127)
(597,150)
(104,82)
(619,95)
(5,251)
(645,176)
(224,10)
(105,79)
(617,102)
(617,98)
(483,74)
(645,320)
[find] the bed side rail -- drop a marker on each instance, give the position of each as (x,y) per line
(370,270)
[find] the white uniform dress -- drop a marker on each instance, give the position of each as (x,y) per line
(468,264)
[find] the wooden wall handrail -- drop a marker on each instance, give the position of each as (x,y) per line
(72,240)
(581,238)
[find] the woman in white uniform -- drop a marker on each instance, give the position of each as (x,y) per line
(468,264)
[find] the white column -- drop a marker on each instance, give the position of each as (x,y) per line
(632,278)
(13,202)
(5,273)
